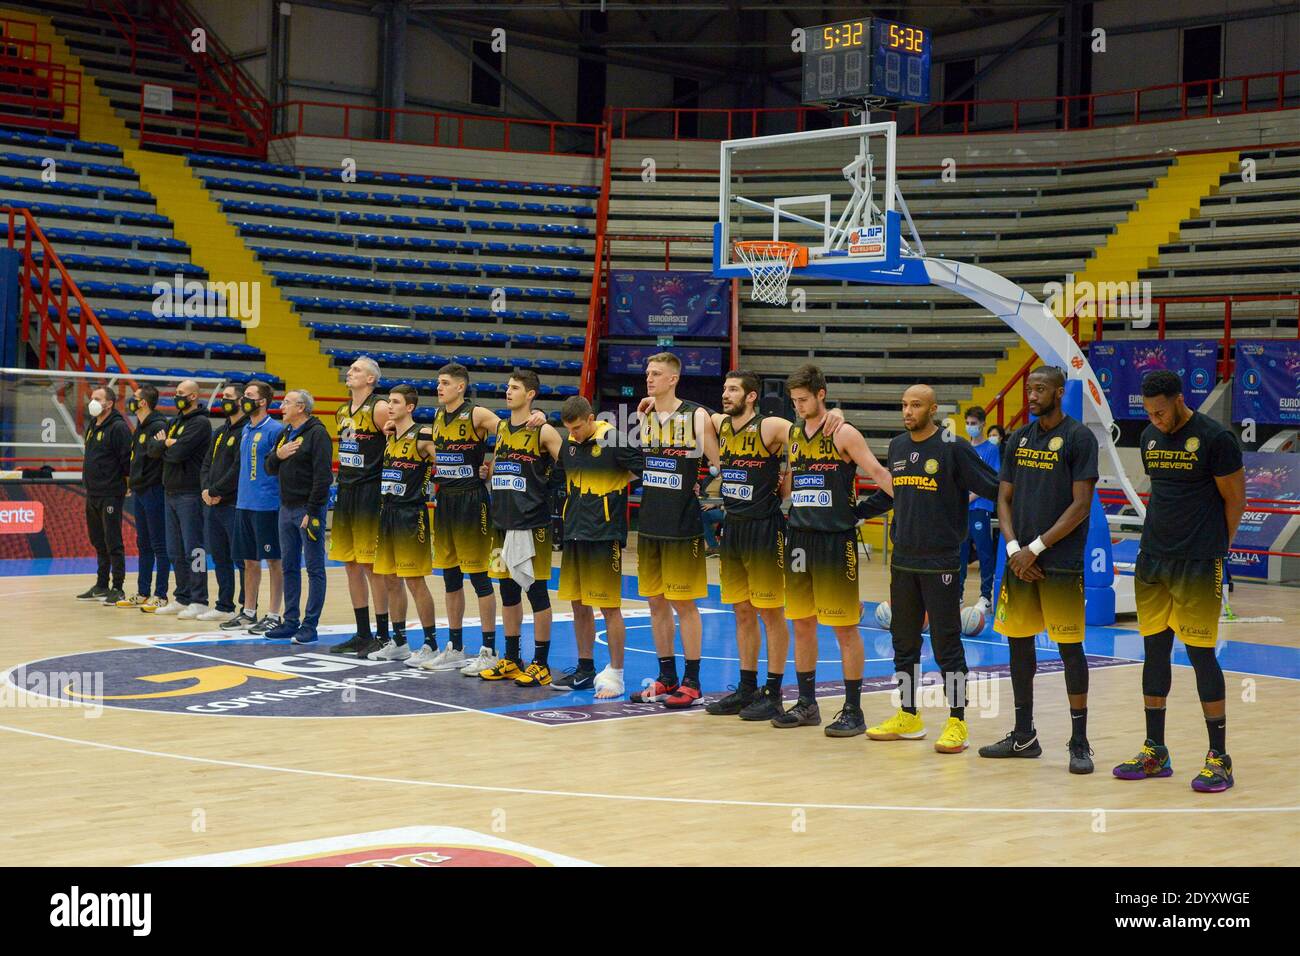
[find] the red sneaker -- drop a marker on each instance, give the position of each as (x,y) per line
(654,692)
(684,696)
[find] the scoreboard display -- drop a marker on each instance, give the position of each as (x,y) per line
(866,59)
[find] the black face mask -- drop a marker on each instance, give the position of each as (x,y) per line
(248,405)
(183,404)
(223,406)
(132,405)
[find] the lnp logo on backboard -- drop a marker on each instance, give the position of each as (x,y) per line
(869,241)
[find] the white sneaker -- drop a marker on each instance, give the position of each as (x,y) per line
(422,656)
(192,612)
(486,660)
(392,651)
(446,659)
(214,615)
(984,606)
(172,607)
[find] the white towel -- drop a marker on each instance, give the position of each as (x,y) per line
(517,555)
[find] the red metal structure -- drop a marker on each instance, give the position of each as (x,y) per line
(41,94)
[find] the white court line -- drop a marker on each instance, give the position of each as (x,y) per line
(635,798)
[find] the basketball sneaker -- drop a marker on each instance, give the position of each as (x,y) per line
(172,607)
(1014,745)
(447,659)
(766,705)
(266,624)
(113,596)
(152,605)
(534,675)
(94,594)
(804,713)
(368,647)
(485,661)
(653,692)
(686,695)
(347,647)
(392,651)
(212,614)
(955,737)
(304,635)
(504,669)
(283,631)
(1216,775)
(575,680)
(135,600)
(426,653)
(902,726)
(733,703)
(1152,761)
(849,722)
(240,622)
(192,612)
(1080,755)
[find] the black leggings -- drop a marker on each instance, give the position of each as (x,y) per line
(911,596)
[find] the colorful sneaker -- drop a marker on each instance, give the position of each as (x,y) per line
(902,726)
(1080,755)
(653,692)
(575,680)
(503,669)
(804,713)
(152,605)
(686,695)
(485,661)
(392,651)
(955,737)
(1216,775)
(135,600)
(849,722)
(733,703)
(1014,745)
(1152,761)
(766,705)
(534,675)
(425,654)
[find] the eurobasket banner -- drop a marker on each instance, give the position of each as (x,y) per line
(688,304)
(1270,477)
(631,359)
(1121,365)
(1266,384)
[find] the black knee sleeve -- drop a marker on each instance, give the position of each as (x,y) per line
(453,579)
(539,597)
(1024,662)
(1209,675)
(511,595)
(481,582)
(1076,668)
(1157,676)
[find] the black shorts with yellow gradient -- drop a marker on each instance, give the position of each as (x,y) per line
(354,530)
(1054,604)
(464,536)
(405,539)
(752,555)
(1185,594)
(541,554)
(821,576)
(591,573)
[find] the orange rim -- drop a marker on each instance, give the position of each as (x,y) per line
(775,249)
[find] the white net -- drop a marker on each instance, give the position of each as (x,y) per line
(769,265)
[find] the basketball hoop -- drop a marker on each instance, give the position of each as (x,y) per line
(769,263)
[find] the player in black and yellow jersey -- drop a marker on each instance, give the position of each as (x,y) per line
(598,464)
(751,461)
(403,550)
(355,527)
(1198,494)
(1049,469)
(521,529)
(934,474)
(671,575)
(821,550)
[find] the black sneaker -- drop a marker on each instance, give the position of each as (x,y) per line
(365,648)
(766,705)
(1080,755)
(94,594)
(1014,745)
(849,722)
(575,680)
(239,622)
(350,646)
(113,596)
(804,713)
(267,623)
(733,703)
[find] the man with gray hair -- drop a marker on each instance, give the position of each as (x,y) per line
(302,462)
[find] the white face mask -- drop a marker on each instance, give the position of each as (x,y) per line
(95,408)
(973,430)
(994,439)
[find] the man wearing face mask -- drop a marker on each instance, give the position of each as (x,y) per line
(219,481)
(981,534)
(147,500)
(257,532)
(104,470)
(182,446)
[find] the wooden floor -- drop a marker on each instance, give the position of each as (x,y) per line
(130,787)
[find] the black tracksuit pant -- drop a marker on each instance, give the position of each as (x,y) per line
(912,595)
(104,524)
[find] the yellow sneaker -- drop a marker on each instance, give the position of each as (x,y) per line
(505,669)
(955,737)
(533,675)
(902,726)
(153,604)
(135,600)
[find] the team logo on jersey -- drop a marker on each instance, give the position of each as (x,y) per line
(1192,444)
(947,579)
(914,457)
(1151,444)
(595,451)
(931,466)
(794,450)
(1056,443)
(1024,441)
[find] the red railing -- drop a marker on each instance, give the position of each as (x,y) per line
(997,410)
(47,333)
(427,128)
(596,302)
(129,29)
(1225,96)
(197,120)
(40,93)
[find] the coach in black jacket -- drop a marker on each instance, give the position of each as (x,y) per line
(302,461)
(150,506)
(103,471)
(182,447)
(219,480)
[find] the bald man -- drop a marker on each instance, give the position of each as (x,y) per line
(182,446)
(934,473)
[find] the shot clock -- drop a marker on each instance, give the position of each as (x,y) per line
(866,60)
